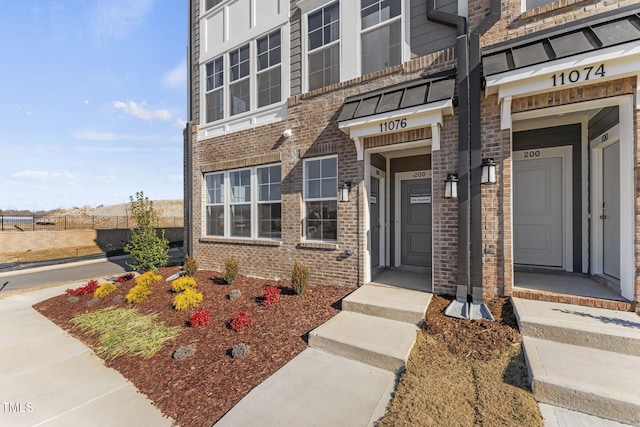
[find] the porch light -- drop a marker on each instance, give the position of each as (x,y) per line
(451,186)
(488,171)
(344,191)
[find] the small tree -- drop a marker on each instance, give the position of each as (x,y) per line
(149,251)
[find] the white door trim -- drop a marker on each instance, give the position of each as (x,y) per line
(564,152)
(598,144)
(406,176)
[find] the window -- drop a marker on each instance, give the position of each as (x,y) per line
(321,199)
(324,46)
(240,203)
(215,92)
(269,205)
(239,87)
(532,4)
(211,3)
(215,204)
(269,81)
(381,34)
(249,198)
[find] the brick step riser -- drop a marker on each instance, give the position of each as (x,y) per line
(617,344)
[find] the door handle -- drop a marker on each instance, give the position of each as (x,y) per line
(603,217)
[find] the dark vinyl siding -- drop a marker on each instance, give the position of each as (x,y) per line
(603,121)
(295,49)
(555,137)
(426,36)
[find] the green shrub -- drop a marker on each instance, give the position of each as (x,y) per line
(299,278)
(188,299)
(147,279)
(190,266)
(138,293)
(230,271)
(107,288)
(149,251)
(183,283)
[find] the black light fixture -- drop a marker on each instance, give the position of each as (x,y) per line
(344,191)
(488,171)
(451,186)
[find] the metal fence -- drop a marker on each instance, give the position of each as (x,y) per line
(78,222)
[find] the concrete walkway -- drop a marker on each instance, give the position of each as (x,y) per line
(584,362)
(347,376)
(48,378)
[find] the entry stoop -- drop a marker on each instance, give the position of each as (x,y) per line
(404,305)
(376,341)
(583,359)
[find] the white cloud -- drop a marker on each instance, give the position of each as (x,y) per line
(42,177)
(141,111)
(106,178)
(175,178)
(176,78)
(116,19)
(179,124)
(86,102)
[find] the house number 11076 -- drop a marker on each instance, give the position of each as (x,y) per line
(577,75)
(393,125)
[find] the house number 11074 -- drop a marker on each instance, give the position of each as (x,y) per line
(577,75)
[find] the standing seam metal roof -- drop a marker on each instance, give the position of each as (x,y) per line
(582,37)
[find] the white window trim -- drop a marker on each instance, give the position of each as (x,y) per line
(405,47)
(227,203)
(320,199)
(254,116)
(283,55)
(308,8)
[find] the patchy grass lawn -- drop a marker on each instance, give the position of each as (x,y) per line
(465,373)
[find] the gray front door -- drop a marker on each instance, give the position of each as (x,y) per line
(374,224)
(611,209)
(416,222)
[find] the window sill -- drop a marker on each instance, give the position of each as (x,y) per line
(240,241)
(325,246)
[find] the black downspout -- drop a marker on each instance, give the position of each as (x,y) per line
(475,86)
(188,196)
(462,77)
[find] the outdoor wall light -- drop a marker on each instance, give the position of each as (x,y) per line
(451,186)
(344,191)
(488,171)
(287,133)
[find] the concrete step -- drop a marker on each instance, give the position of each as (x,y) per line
(555,416)
(372,340)
(617,331)
(596,382)
(403,305)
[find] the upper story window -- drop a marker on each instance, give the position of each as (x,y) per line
(321,198)
(240,85)
(245,78)
(323,28)
(381,38)
(211,3)
(269,73)
(215,89)
(244,203)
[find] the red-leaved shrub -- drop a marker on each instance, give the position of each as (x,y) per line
(89,288)
(200,318)
(240,321)
(125,277)
(271,296)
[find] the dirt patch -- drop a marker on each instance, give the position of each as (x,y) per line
(465,373)
(198,390)
(50,254)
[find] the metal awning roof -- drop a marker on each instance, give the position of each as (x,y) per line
(599,32)
(411,94)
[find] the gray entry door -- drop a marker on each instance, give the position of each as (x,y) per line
(374,223)
(416,222)
(611,209)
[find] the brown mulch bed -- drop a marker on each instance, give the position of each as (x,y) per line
(198,390)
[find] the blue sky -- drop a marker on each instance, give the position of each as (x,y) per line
(92,101)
